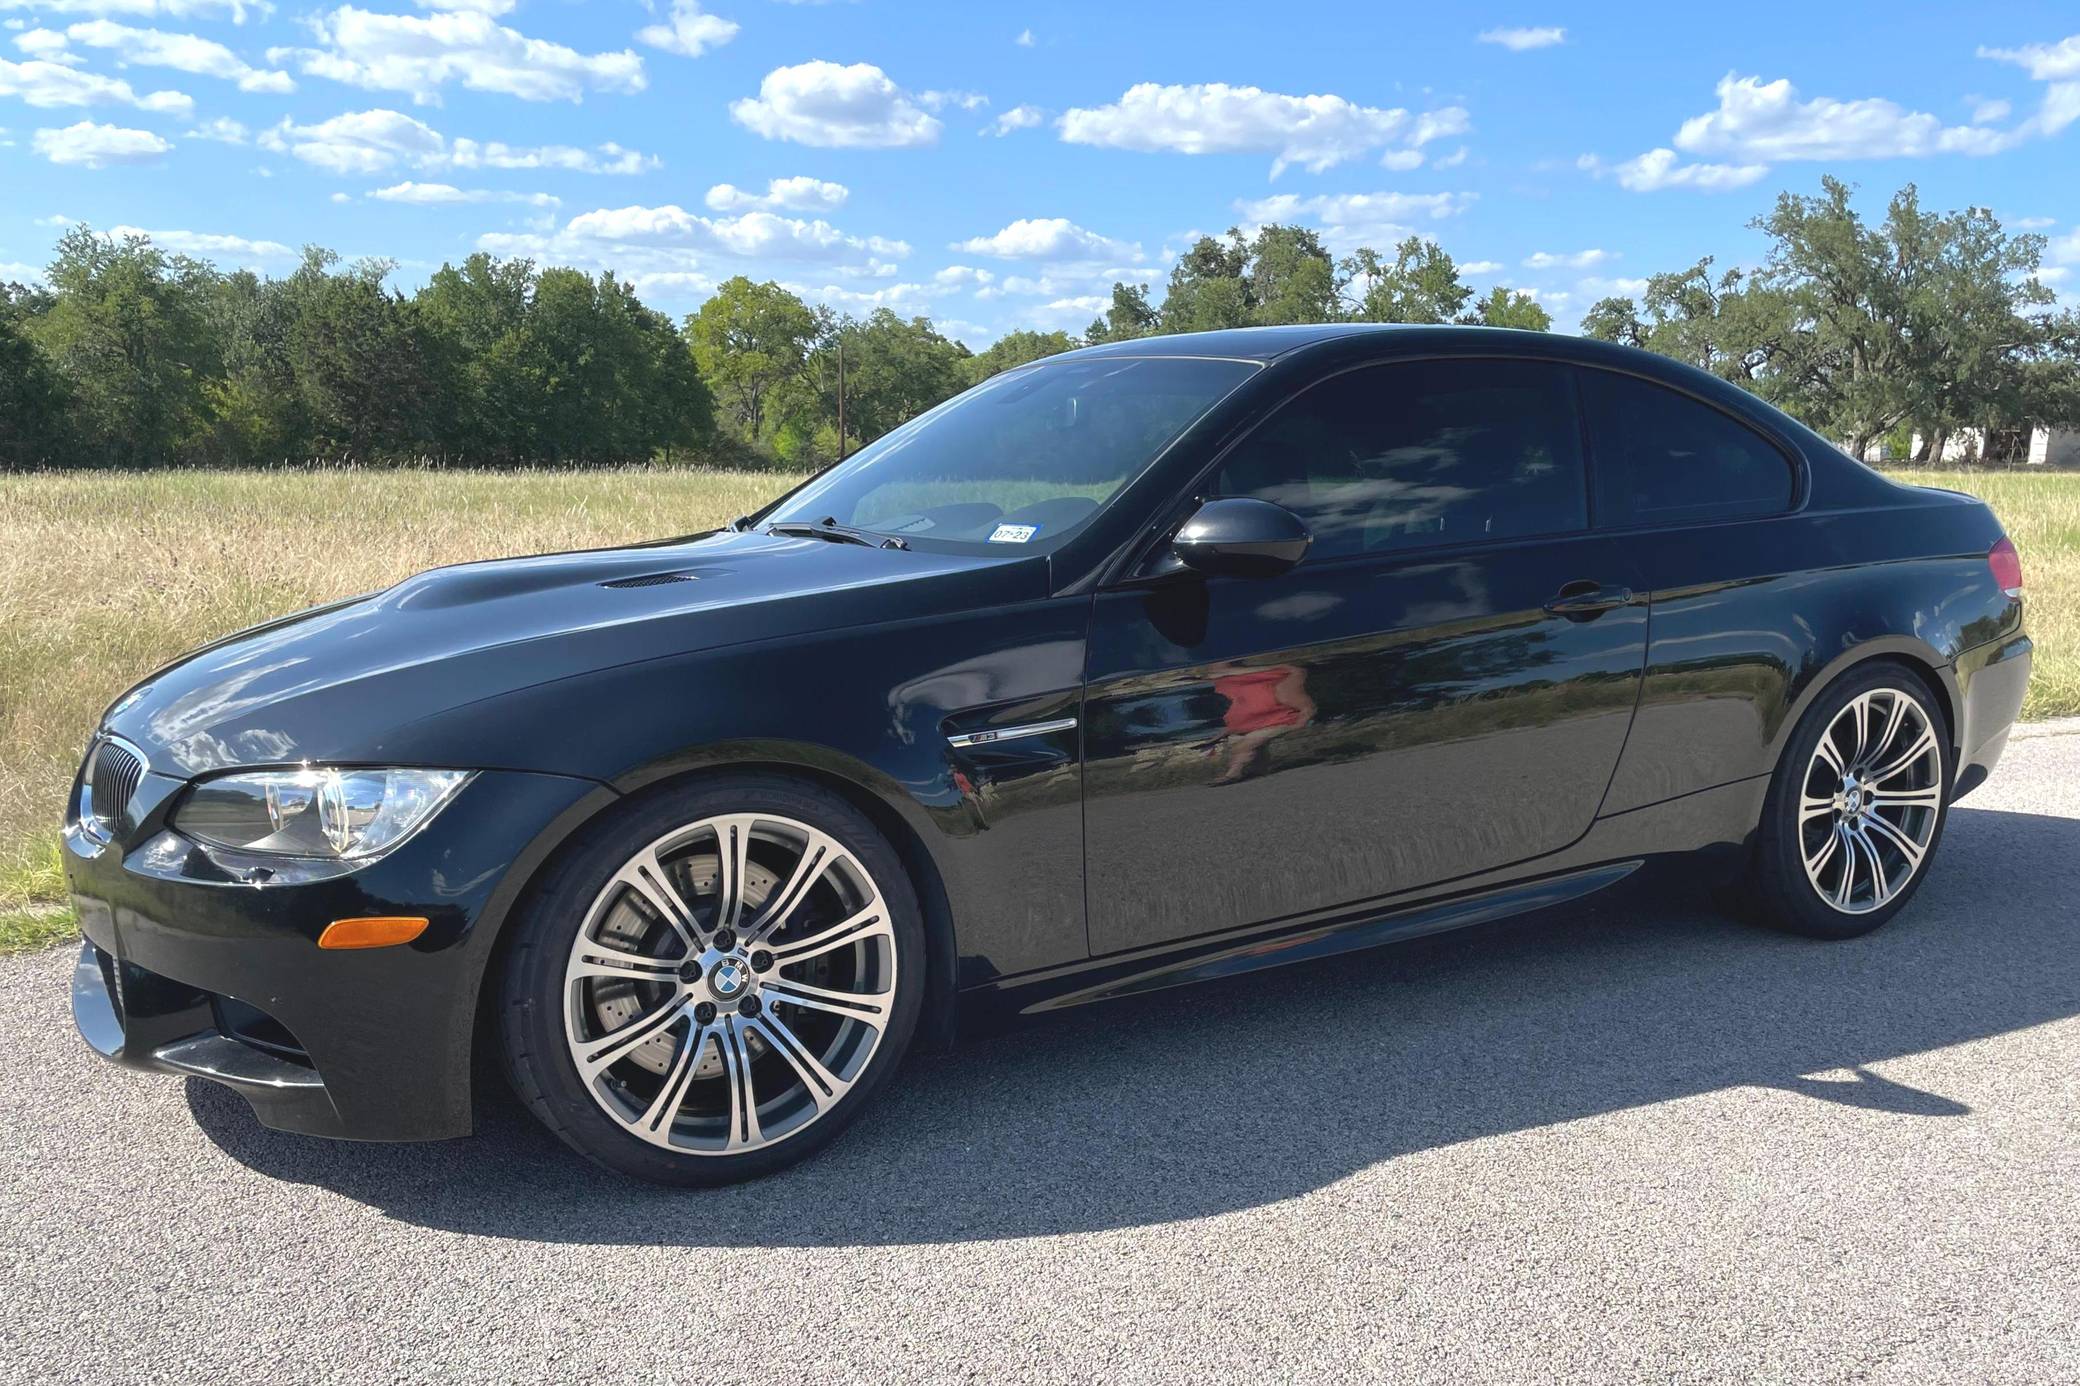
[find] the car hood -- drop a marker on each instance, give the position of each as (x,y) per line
(335,683)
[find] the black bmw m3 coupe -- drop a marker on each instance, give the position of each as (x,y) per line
(1147,663)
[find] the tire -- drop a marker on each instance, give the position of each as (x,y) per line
(801,985)
(1870,814)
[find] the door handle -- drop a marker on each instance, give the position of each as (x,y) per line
(1585,600)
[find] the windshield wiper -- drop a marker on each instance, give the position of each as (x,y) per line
(829,528)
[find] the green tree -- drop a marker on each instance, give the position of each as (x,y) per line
(895,369)
(1207,287)
(1510,308)
(1291,278)
(358,355)
(1130,316)
(1018,348)
(33,399)
(752,341)
(1422,285)
(128,331)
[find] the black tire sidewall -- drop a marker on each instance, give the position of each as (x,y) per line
(537,1054)
(1785,898)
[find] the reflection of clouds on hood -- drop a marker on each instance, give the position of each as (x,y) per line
(1301,606)
(984,679)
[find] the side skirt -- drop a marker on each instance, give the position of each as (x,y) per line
(1107,978)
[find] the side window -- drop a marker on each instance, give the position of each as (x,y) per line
(1419,454)
(1663,457)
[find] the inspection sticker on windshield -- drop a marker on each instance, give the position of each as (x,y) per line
(1013,534)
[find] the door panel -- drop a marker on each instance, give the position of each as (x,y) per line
(1258,748)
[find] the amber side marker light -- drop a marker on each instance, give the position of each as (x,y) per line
(382,932)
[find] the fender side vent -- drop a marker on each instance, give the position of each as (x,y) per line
(652,580)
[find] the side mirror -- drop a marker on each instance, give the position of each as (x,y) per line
(1241,537)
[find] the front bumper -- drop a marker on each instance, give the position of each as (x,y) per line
(186,970)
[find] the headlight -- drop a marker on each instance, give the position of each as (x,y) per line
(348,815)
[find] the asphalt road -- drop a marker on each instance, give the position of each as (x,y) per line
(1630,1141)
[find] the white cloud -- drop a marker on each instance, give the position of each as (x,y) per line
(1316,132)
(447,194)
(1017,118)
(1580,259)
(1401,160)
(2047,62)
(2033,223)
(1025,39)
(1662,168)
(899,298)
(359,142)
(962,100)
(1598,287)
(1048,238)
(835,107)
(687,30)
(2065,250)
(1987,112)
(761,235)
(1764,122)
(1350,220)
(964,277)
(1451,160)
(781,195)
(609,158)
(233,10)
(222,130)
(421,54)
(1482,267)
(48,84)
(181,52)
(238,248)
(1523,40)
(365,142)
(88,145)
(47,44)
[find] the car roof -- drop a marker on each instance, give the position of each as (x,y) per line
(1266,344)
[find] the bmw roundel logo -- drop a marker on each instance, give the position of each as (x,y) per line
(728,979)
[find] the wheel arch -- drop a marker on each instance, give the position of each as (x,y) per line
(866,789)
(1916,656)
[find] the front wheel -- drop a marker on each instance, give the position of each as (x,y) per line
(1856,807)
(712,986)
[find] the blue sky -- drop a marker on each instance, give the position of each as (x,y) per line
(999,165)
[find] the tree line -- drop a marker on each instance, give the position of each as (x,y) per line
(127,356)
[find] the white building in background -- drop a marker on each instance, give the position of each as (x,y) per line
(2043,446)
(2047,446)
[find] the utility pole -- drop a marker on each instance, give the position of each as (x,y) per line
(841,399)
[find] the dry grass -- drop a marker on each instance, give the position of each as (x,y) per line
(105,577)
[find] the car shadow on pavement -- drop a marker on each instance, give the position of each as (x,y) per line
(1241,1093)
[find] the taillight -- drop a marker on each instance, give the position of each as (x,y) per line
(2007,566)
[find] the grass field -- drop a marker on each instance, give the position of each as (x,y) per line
(103,577)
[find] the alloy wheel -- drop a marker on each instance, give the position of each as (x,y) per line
(729,984)
(1870,800)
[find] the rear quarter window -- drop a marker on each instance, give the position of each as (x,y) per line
(1661,457)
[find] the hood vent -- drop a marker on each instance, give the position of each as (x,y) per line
(652,579)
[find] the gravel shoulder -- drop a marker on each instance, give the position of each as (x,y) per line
(1633,1139)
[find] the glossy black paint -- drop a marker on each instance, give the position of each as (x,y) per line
(1266,768)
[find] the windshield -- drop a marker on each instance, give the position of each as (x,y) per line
(1024,459)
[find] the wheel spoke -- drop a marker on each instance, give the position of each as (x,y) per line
(823,1086)
(1930,797)
(871,922)
(733,855)
(647,877)
(1908,847)
(1815,864)
(863,1006)
(1892,724)
(1881,888)
(1923,744)
(818,853)
(1826,751)
(744,1130)
(612,963)
(1846,887)
(1859,713)
(606,1051)
(1810,808)
(665,1106)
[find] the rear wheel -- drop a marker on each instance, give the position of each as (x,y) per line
(713,985)
(1856,807)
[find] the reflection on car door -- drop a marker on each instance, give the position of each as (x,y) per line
(1401,709)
